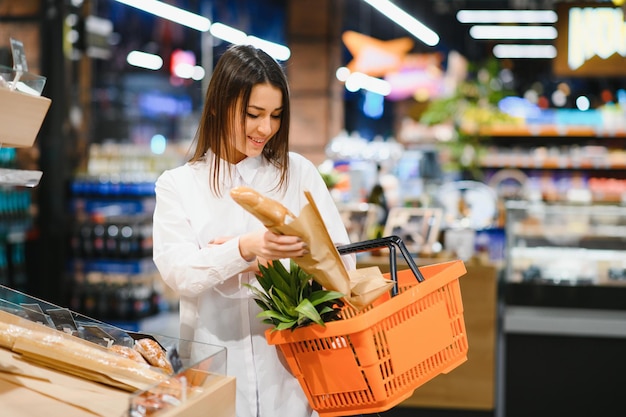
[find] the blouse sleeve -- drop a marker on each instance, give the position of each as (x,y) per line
(186,265)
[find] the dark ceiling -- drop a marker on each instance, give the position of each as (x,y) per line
(440,15)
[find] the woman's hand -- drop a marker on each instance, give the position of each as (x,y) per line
(266,246)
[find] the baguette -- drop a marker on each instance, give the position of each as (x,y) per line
(270,212)
(66,353)
(9,333)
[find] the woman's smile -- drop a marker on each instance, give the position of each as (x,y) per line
(263,117)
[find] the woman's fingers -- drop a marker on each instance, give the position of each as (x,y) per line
(282,246)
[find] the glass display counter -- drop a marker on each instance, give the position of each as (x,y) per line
(566,244)
(563,310)
(77,366)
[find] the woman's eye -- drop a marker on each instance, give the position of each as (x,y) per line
(253,116)
(277,116)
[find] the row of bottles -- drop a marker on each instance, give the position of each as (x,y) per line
(115,237)
(113,185)
(16,223)
(15,206)
(111,272)
(8,157)
(133,158)
(13,264)
(115,297)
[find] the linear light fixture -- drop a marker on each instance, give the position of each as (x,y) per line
(355,81)
(512,32)
(228,34)
(507,16)
(524,51)
(237,37)
(144,60)
(167,11)
(275,50)
(358,80)
(408,22)
(202,24)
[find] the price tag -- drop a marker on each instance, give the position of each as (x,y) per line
(34,313)
(63,320)
(9,307)
(96,335)
(19,57)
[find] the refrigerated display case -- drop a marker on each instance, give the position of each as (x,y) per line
(562,310)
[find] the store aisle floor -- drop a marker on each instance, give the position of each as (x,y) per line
(165,324)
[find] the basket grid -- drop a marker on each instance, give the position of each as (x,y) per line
(392,381)
(403,342)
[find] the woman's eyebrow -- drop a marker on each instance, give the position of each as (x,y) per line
(262,108)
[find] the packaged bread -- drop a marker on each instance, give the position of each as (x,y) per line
(128,352)
(86,359)
(152,352)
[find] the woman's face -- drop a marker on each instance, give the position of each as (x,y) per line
(263,117)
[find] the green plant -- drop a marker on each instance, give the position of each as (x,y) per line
(330,179)
(292,298)
(470,109)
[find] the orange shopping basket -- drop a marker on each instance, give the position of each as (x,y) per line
(374,359)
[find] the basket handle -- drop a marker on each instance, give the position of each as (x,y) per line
(390,242)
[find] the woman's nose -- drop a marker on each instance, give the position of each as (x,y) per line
(265,125)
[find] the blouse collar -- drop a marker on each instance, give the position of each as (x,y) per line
(248,168)
(242,173)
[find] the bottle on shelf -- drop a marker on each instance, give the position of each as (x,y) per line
(377,197)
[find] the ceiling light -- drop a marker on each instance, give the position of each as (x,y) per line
(408,22)
(275,50)
(507,16)
(512,32)
(228,34)
(358,80)
(237,37)
(524,51)
(144,60)
(342,74)
(198,73)
(172,13)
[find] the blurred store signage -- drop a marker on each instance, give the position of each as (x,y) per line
(97,34)
(591,40)
(390,69)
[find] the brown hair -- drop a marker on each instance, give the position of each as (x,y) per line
(237,71)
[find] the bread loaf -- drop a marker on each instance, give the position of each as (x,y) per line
(8,334)
(153,354)
(73,355)
(270,212)
(127,352)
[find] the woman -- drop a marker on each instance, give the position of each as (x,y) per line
(206,246)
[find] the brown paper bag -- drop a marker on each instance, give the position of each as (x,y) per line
(323,261)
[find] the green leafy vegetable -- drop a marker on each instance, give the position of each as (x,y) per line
(292,298)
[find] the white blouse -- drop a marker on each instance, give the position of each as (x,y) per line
(214,306)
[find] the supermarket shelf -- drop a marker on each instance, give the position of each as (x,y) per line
(551,131)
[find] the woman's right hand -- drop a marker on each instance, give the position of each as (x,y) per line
(267,245)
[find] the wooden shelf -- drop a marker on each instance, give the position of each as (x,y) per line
(551,131)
